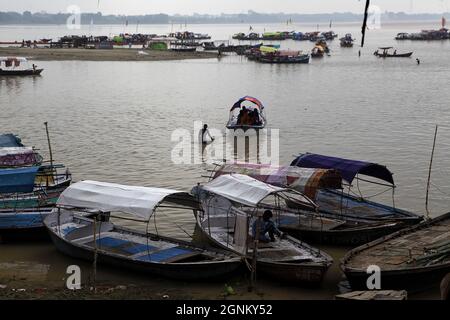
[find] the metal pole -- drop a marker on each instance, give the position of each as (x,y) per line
(429,172)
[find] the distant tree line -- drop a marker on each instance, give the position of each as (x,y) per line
(251,17)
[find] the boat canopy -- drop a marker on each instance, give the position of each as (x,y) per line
(348,168)
(18,156)
(255,101)
(241,189)
(10,140)
(385,48)
(305,180)
(17,180)
(267,49)
(111,197)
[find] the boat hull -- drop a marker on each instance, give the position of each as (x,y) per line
(403,275)
(23,226)
(346,237)
(29,72)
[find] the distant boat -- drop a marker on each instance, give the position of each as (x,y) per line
(387,53)
(17,66)
(347,41)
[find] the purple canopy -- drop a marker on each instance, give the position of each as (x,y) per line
(348,168)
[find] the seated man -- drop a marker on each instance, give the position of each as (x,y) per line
(267,226)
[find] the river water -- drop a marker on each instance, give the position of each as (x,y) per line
(113,121)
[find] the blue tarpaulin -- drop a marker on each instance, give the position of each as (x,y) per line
(348,168)
(17,180)
(9,141)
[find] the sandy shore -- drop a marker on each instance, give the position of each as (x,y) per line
(103,55)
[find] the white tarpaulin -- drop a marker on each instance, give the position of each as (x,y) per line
(111,197)
(241,188)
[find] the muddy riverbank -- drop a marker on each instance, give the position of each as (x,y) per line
(103,55)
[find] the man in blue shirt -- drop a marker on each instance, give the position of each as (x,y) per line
(267,226)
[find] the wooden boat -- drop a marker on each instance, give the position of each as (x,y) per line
(347,41)
(11,66)
(274,55)
(32,187)
(183,49)
(23,224)
(347,205)
(238,112)
(231,205)
(385,53)
(414,258)
(315,227)
(80,227)
(317,52)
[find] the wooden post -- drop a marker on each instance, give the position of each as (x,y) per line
(95,254)
(364,26)
(429,172)
(49,144)
(255,255)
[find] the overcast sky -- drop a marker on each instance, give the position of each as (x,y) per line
(137,7)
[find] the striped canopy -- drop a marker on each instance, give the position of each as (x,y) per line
(255,101)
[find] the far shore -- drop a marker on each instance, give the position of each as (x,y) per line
(103,55)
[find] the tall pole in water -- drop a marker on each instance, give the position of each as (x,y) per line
(429,172)
(49,144)
(364,26)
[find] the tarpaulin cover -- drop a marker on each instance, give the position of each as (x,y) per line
(348,168)
(9,140)
(17,180)
(241,189)
(248,98)
(305,180)
(18,157)
(111,197)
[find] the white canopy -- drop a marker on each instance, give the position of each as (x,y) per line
(110,197)
(241,188)
(13,59)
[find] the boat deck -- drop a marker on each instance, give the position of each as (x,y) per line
(423,247)
(282,250)
(130,246)
(332,202)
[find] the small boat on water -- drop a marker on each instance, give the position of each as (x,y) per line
(80,226)
(317,52)
(311,226)
(232,204)
(247,113)
(347,41)
(388,53)
(414,258)
(274,55)
(17,66)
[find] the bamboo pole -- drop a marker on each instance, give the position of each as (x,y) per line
(95,254)
(364,26)
(49,144)
(429,172)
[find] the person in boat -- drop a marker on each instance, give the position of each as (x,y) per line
(34,67)
(395,52)
(245,118)
(255,117)
(267,227)
(418,60)
(205,134)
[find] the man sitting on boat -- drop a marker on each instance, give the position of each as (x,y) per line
(267,226)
